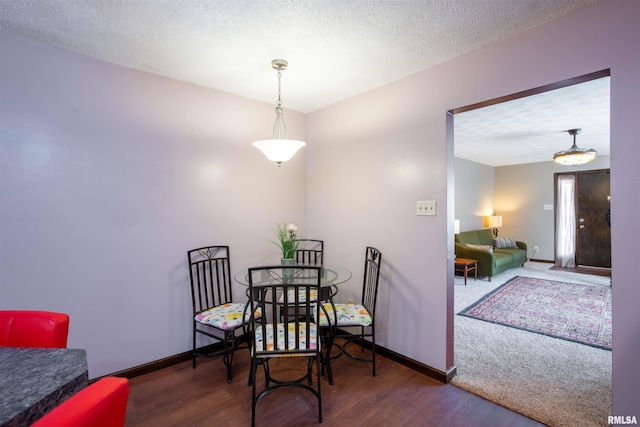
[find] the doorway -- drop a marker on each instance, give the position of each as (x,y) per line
(535,221)
(582,227)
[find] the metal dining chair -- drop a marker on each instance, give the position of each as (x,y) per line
(214,313)
(273,336)
(360,315)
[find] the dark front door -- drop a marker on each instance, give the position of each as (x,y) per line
(593,233)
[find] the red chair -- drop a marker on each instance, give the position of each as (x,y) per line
(101,404)
(26,328)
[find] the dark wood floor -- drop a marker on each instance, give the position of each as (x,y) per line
(397,396)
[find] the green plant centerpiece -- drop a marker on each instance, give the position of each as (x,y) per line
(287,234)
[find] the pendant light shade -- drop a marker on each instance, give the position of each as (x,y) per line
(279,149)
(575,155)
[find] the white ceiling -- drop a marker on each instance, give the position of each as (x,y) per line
(336,49)
(532,129)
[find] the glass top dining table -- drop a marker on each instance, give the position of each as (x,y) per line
(330,275)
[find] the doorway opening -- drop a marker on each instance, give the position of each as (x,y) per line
(512,212)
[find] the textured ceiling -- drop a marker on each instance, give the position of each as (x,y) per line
(532,129)
(336,48)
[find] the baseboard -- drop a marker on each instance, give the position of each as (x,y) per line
(163,363)
(436,374)
(540,260)
(595,271)
(146,368)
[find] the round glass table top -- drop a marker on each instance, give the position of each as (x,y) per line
(330,275)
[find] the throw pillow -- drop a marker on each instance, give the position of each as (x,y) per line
(487,248)
(505,243)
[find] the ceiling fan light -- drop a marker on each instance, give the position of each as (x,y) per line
(575,155)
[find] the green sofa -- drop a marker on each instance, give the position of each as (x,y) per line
(490,262)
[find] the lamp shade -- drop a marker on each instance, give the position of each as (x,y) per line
(456,226)
(493,221)
(279,150)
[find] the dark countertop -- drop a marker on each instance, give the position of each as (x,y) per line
(35,380)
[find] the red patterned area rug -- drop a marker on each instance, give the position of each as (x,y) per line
(579,313)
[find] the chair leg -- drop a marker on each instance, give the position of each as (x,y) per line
(327,359)
(252,374)
(310,372)
(230,345)
(193,354)
(373,349)
(267,372)
(318,363)
(361,337)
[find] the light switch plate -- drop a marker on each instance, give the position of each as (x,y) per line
(426,207)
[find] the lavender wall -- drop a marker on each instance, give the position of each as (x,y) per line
(108,176)
(373,156)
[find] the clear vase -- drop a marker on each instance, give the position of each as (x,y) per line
(287,272)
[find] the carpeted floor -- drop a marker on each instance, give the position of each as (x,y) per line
(570,311)
(557,382)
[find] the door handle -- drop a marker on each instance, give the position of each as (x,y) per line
(581,226)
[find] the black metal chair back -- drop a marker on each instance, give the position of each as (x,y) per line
(311,252)
(274,336)
(373,257)
(212,302)
(210,277)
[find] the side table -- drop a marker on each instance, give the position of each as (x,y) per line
(464,265)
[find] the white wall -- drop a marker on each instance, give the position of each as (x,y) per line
(108,176)
(374,155)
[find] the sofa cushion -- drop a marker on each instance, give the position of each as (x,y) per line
(502,257)
(505,242)
(519,255)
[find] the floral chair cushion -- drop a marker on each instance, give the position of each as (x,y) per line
(302,295)
(226,316)
(346,315)
(270,342)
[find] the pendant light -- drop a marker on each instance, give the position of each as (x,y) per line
(575,156)
(279,149)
